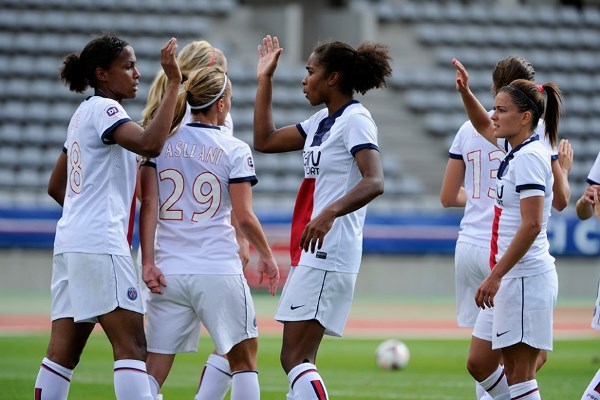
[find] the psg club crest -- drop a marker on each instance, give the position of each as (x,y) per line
(132,293)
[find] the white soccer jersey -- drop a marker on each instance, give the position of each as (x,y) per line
(226,128)
(101,177)
(525,172)
(330,171)
(594,175)
(540,130)
(194,233)
(481,160)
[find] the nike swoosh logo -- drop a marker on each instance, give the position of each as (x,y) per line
(503,333)
(293,307)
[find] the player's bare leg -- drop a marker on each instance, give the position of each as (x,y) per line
(67,340)
(242,361)
(125,331)
(301,341)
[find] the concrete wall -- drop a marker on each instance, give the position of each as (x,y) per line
(427,275)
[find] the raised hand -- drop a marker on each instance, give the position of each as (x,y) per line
(268,56)
(462,76)
(565,155)
(168,61)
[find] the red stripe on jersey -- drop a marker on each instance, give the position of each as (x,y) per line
(131,218)
(494,240)
(319,389)
(302,212)
(38,394)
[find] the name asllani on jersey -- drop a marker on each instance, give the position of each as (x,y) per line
(311,162)
(186,150)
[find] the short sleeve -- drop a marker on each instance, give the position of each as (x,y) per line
(242,168)
(108,117)
(362,133)
(531,171)
(594,175)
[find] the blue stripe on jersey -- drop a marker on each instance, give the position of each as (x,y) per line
(326,123)
(107,134)
(252,179)
(530,186)
(299,127)
(356,148)
(455,156)
(591,182)
(148,163)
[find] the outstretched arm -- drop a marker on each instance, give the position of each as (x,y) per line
(149,141)
(475,111)
(268,139)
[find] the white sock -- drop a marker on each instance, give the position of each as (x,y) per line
(53,381)
(154,387)
(131,380)
(290,394)
(592,392)
(496,385)
(215,379)
(306,382)
(525,390)
(244,385)
(479,391)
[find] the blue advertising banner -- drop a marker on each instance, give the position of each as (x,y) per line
(405,233)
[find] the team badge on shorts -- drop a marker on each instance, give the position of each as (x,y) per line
(132,293)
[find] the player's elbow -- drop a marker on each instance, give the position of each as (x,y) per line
(446,202)
(377,187)
(560,204)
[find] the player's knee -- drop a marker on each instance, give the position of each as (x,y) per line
(478,371)
(242,357)
(541,360)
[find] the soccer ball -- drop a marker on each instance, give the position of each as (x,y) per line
(392,354)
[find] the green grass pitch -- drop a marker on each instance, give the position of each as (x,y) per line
(436,370)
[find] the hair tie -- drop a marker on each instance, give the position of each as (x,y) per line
(217,97)
(529,100)
(213,58)
(540,88)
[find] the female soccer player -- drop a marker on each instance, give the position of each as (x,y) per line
(93,276)
(588,205)
(522,285)
(215,378)
(342,175)
(188,195)
(473,162)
